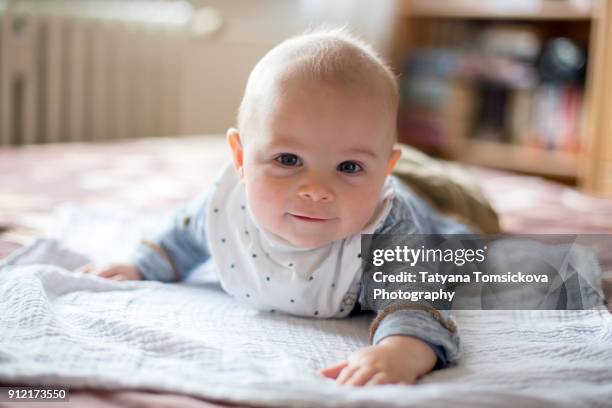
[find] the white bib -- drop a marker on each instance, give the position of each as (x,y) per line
(276,276)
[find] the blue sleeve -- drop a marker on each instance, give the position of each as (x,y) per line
(411,216)
(180,246)
(420,324)
(442,361)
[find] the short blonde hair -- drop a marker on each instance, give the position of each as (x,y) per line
(323,55)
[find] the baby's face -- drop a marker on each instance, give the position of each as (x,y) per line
(315,163)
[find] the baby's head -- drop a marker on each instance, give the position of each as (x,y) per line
(316,137)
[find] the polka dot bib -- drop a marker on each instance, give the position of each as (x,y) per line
(272,275)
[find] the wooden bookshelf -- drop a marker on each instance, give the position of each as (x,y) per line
(589,20)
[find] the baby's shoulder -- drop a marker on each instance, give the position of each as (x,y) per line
(405,214)
(411,214)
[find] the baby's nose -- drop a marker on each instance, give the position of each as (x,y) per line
(316,192)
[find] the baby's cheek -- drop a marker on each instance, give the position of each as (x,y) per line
(360,208)
(265,199)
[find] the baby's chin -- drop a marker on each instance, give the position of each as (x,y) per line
(310,235)
(303,242)
(311,240)
(300,240)
(294,239)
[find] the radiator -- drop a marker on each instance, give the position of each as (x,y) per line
(90,70)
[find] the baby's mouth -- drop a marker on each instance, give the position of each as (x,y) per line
(309,218)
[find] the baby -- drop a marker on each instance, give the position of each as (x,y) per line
(312,158)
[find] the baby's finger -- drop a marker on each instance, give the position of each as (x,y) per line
(346,373)
(88,268)
(361,376)
(378,379)
(107,273)
(333,370)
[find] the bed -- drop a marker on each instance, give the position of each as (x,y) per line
(154,175)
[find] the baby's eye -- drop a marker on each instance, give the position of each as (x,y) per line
(289,160)
(349,167)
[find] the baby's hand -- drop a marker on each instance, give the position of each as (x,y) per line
(395,360)
(117,272)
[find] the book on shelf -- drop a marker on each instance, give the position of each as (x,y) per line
(500,84)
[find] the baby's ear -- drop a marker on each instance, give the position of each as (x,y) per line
(235,144)
(396,152)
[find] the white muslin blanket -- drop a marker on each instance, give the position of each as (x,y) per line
(66,328)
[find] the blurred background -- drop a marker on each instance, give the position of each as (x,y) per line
(519,85)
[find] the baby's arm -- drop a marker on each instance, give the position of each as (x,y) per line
(395,360)
(407,344)
(171,254)
(117,272)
